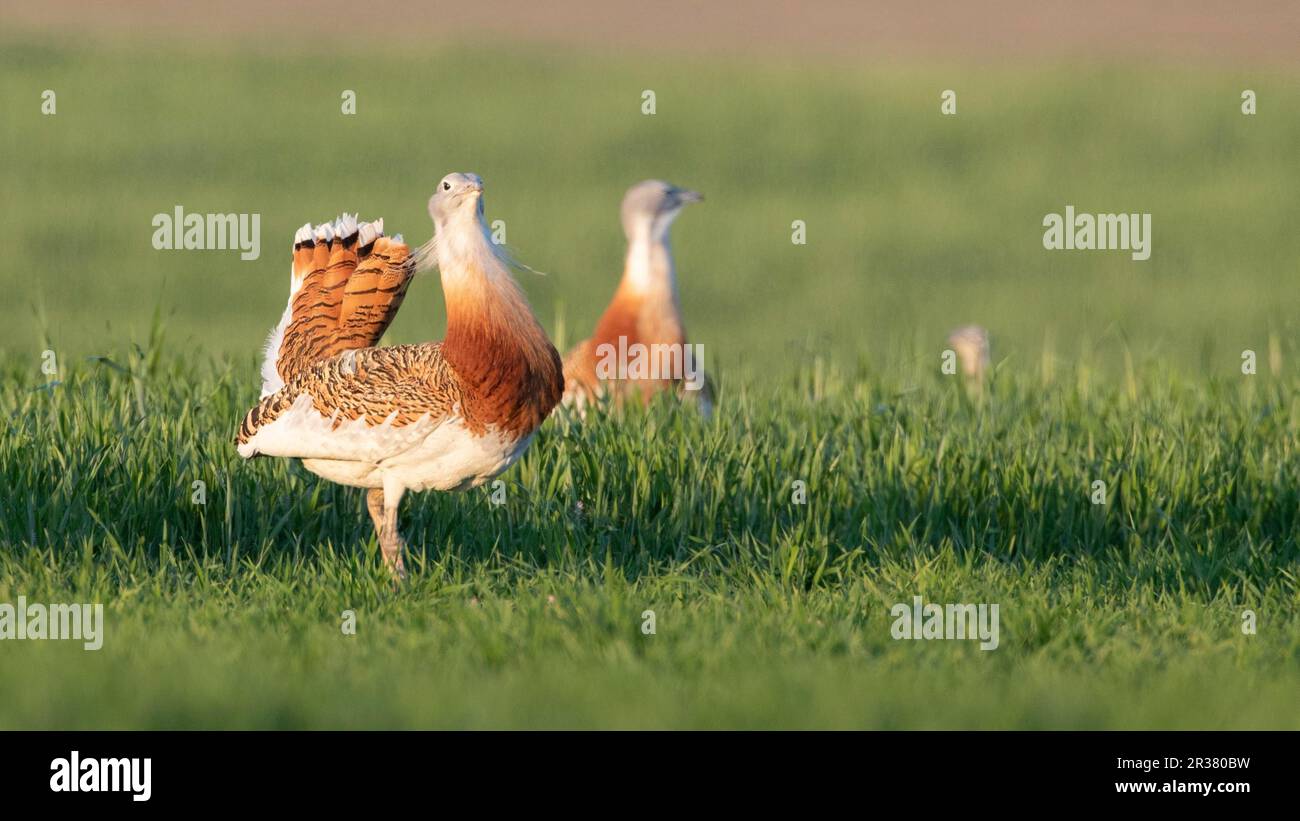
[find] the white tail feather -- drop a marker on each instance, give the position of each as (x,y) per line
(369,232)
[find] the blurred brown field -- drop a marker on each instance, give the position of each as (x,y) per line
(1264,31)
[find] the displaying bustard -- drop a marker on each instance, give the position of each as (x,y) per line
(444,415)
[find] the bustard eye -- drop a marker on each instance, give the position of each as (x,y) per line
(446,186)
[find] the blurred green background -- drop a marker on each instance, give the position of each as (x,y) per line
(916,222)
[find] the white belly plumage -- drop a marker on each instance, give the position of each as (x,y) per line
(439,454)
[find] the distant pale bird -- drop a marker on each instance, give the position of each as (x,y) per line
(645,310)
(444,415)
(971,344)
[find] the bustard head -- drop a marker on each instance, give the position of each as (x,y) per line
(650,207)
(459,198)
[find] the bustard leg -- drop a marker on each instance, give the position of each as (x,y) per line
(390,541)
(375,504)
(383,513)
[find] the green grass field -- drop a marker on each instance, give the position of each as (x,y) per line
(768,613)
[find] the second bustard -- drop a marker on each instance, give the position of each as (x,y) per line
(645,311)
(971,343)
(444,415)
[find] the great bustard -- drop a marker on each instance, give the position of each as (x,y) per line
(645,312)
(971,344)
(444,415)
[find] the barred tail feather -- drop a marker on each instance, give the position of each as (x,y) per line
(373,294)
(327,312)
(302,250)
